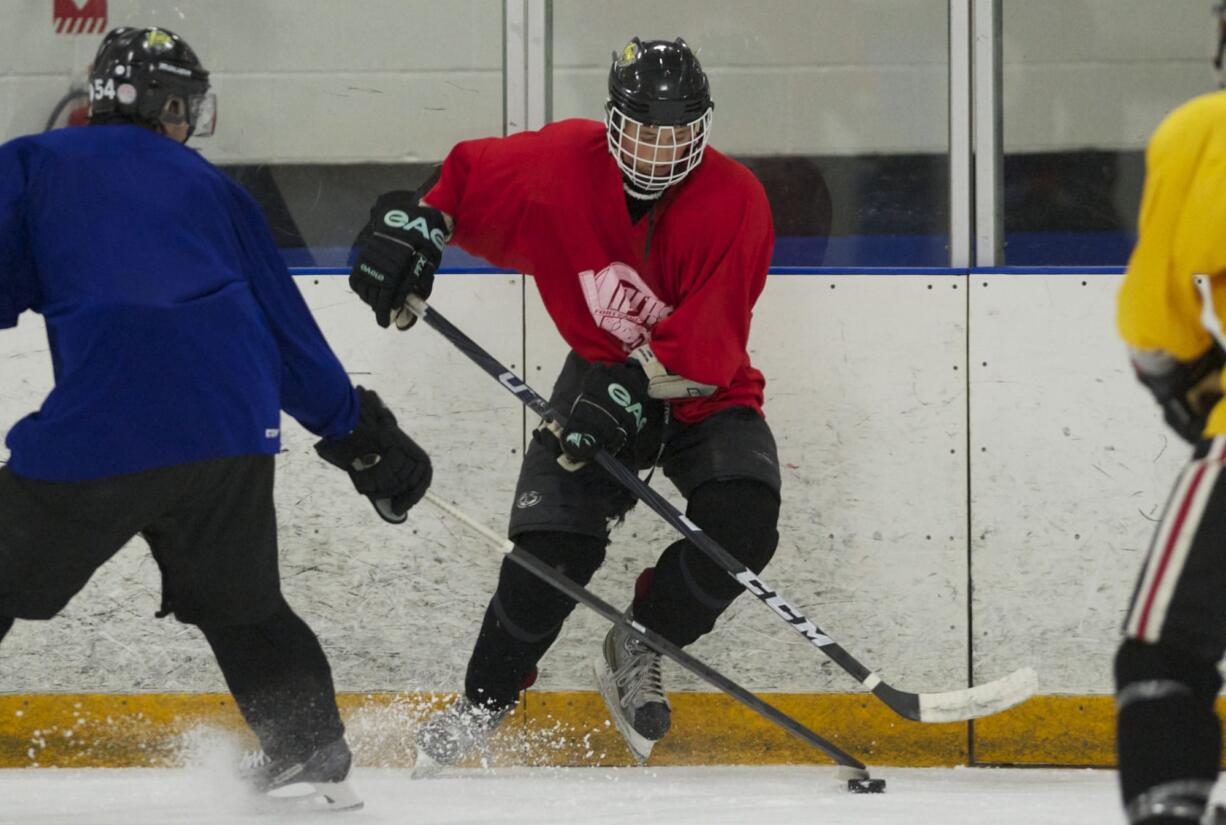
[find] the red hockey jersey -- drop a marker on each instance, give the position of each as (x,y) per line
(684,278)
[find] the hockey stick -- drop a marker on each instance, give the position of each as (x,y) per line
(855,772)
(950,706)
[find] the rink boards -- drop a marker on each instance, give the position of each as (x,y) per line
(936,431)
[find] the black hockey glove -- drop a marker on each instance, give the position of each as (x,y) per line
(1186,390)
(397,253)
(613,411)
(384,464)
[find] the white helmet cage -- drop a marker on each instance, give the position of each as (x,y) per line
(653,156)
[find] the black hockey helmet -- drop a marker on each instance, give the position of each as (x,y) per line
(658,116)
(150,76)
(659,82)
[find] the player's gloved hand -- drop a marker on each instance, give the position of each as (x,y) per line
(384,464)
(397,253)
(1186,390)
(612,411)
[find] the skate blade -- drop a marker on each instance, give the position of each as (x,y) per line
(639,745)
(311,797)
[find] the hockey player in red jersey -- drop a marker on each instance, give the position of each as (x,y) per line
(649,249)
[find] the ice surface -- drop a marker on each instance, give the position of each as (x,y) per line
(608,796)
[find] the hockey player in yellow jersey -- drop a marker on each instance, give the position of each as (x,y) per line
(1180,241)
(1168,735)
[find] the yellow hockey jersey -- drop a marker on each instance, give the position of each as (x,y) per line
(1181,235)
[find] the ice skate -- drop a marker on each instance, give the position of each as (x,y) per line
(629,678)
(317,782)
(453,734)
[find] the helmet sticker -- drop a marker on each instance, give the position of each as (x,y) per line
(629,54)
(158,40)
(126,94)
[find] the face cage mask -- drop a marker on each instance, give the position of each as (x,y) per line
(201,114)
(673,153)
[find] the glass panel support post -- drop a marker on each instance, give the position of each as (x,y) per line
(960,160)
(527,58)
(988,131)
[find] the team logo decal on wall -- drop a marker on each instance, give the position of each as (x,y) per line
(622,304)
(79,16)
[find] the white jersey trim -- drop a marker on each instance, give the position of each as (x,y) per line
(1172,542)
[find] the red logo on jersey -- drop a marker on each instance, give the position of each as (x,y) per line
(79,16)
(622,304)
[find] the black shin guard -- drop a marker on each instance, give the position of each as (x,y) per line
(1168,736)
(525,616)
(281,682)
(689,591)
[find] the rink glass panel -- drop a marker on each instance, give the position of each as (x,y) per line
(841,110)
(1084,86)
(321,105)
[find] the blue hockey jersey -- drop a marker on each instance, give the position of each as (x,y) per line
(176,332)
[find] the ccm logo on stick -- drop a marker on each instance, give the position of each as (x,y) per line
(776,603)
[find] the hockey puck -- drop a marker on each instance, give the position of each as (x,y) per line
(866,785)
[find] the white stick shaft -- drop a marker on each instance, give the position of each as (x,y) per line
(503,545)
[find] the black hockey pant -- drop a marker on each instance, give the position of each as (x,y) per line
(680,598)
(1168,734)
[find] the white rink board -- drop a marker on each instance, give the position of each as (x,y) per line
(1070,467)
(406,614)
(395,606)
(865,394)
(865,397)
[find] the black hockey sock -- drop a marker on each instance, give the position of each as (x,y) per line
(281,682)
(525,616)
(6,624)
(689,591)
(1168,737)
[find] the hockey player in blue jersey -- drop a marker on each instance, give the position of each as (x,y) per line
(177,336)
